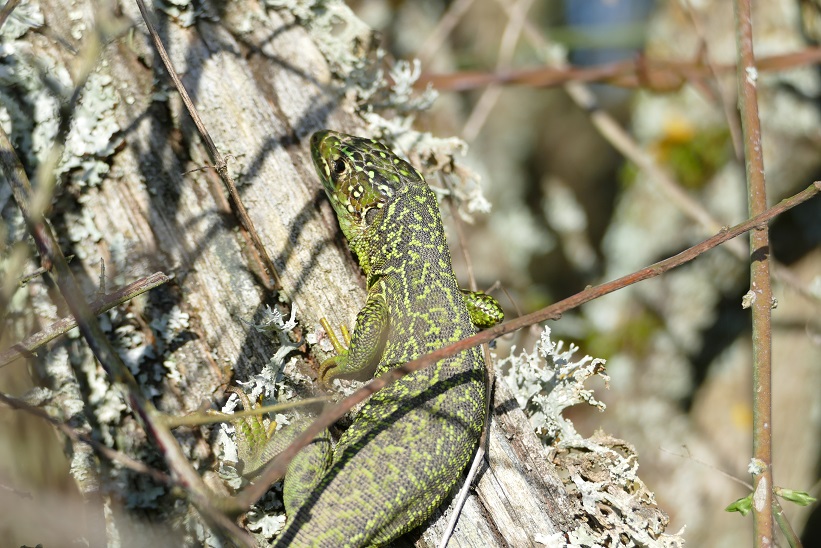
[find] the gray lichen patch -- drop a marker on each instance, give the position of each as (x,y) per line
(33,85)
(600,472)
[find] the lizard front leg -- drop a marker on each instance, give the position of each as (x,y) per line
(484,310)
(360,358)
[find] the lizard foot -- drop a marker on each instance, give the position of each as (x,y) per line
(327,367)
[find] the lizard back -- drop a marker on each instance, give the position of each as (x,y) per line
(409,445)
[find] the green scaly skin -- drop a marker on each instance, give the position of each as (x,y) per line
(410,443)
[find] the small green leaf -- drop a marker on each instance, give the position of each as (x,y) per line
(742,506)
(801,498)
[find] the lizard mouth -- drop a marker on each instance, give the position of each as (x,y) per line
(319,154)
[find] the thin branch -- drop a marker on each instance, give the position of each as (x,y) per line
(452,16)
(785,526)
(726,97)
(276,468)
(198,419)
(16,257)
(75,436)
(38,272)
(712,467)
(6,10)
(621,140)
(490,96)
(53,259)
(659,75)
(28,345)
(219,162)
(761,290)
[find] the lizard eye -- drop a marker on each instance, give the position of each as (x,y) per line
(339,166)
(370,215)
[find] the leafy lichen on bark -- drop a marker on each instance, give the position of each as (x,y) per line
(599,472)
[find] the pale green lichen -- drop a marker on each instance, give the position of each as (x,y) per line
(83,231)
(24,17)
(120,253)
(436,157)
(602,472)
(93,136)
(41,84)
(547,381)
(342,38)
(184,12)
(268,385)
(266,518)
(273,323)
(169,326)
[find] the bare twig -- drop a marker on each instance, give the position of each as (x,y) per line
(761,291)
(620,138)
(6,10)
(658,75)
(53,260)
(513,30)
(200,419)
(63,325)
(712,467)
(785,526)
(75,436)
(778,512)
(38,272)
(219,162)
(449,20)
(726,97)
(276,468)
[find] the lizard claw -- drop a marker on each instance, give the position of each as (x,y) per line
(325,373)
(327,367)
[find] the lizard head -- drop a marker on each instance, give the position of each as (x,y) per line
(360,176)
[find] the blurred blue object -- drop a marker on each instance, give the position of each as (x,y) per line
(605,30)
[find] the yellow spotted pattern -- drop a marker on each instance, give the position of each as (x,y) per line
(411,442)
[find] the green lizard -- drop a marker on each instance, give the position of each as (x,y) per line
(408,446)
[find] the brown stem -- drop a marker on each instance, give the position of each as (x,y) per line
(784,525)
(76,436)
(6,10)
(54,261)
(760,290)
(651,74)
(63,325)
(219,161)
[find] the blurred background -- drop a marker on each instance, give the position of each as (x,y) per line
(570,209)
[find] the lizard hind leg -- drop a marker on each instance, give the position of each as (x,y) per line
(257,446)
(483,309)
(308,467)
